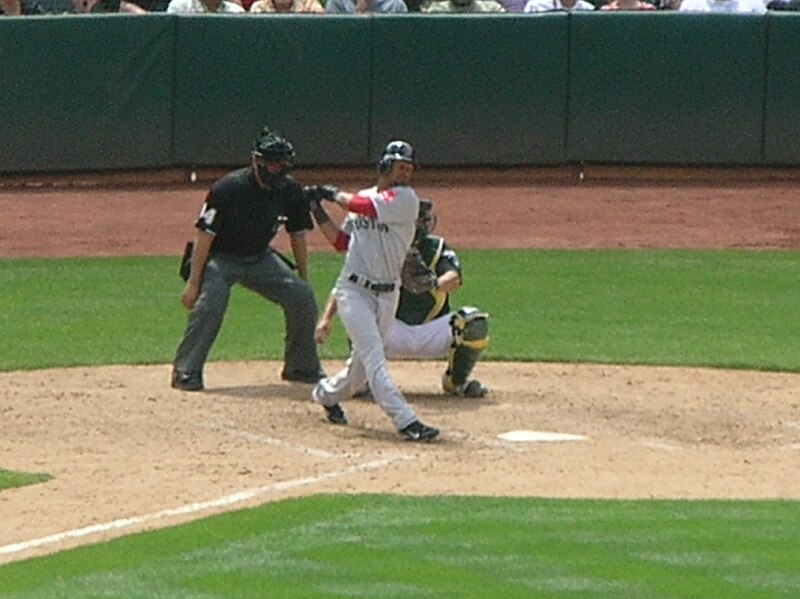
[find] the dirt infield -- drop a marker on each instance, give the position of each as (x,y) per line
(128,453)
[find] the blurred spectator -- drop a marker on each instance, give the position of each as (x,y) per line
(464,6)
(551,5)
(153,5)
(106,6)
(365,6)
(784,5)
(60,7)
(200,6)
(724,6)
(628,5)
(10,8)
(286,6)
(513,6)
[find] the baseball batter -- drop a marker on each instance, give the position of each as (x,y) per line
(425,327)
(376,235)
(243,211)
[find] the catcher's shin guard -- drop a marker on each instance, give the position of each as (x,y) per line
(470,329)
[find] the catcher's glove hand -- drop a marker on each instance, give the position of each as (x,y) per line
(416,276)
(317,193)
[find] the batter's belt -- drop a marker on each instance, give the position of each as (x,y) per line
(367,284)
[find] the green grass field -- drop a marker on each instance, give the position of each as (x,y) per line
(732,309)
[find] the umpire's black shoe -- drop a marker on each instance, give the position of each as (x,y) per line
(335,414)
(299,376)
(416,431)
(187,381)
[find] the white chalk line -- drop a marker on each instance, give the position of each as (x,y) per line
(311,451)
(663,445)
(266,440)
(194,508)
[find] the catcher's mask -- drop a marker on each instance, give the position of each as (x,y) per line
(396,150)
(426,219)
(271,146)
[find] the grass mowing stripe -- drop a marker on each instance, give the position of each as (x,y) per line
(731,308)
(386,546)
(736,309)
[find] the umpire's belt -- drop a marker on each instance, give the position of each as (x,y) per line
(376,287)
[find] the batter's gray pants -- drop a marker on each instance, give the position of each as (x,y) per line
(367,317)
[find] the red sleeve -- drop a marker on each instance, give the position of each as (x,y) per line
(362,205)
(342,241)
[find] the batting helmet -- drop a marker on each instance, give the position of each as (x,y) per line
(396,150)
(273,147)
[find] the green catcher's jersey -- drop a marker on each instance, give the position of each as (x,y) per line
(419,308)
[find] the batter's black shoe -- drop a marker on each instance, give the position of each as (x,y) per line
(335,414)
(298,376)
(416,431)
(187,381)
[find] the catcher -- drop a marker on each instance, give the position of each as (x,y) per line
(425,327)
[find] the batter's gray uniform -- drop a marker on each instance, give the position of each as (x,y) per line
(367,292)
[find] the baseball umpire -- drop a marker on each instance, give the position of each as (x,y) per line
(242,213)
(425,327)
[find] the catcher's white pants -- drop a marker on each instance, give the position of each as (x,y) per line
(420,341)
(367,317)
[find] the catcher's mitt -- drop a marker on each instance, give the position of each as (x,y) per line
(416,276)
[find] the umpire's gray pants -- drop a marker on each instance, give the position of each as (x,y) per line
(272,279)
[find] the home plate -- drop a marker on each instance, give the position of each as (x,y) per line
(539,436)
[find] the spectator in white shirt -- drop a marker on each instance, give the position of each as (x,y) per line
(553,5)
(201,6)
(724,6)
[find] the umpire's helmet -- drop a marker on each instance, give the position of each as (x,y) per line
(396,150)
(273,147)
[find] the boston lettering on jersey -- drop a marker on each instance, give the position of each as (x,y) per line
(363,222)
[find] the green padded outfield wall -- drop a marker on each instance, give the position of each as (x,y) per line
(467,91)
(306,76)
(129,92)
(667,88)
(782,128)
(83,93)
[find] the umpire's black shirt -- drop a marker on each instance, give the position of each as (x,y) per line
(244,217)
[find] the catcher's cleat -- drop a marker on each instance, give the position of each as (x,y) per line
(187,381)
(416,431)
(335,414)
(298,376)
(472,388)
